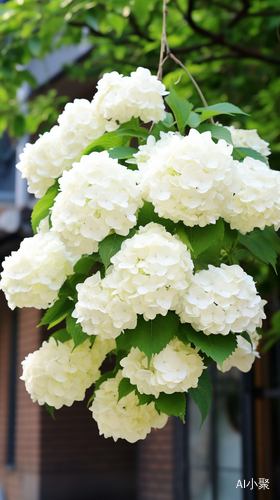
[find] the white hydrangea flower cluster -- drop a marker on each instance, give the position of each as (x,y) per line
(97,195)
(176,368)
(33,275)
(189,178)
(100,312)
(256,199)
(244,355)
(120,98)
(80,125)
(41,163)
(151,270)
(45,160)
(148,275)
(58,375)
(249,139)
(117,100)
(123,419)
(221,299)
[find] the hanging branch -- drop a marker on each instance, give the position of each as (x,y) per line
(169,55)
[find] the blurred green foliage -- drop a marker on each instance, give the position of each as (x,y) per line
(231,48)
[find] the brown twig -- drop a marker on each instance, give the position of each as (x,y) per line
(169,55)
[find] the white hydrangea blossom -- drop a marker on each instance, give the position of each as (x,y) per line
(256,200)
(150,150)
(100,312)
(42,162)
(120,98)
(221,299)
(176,368)
(189,178)
(33,275)
(151,270)
(249,139)
(123,419)
(97,195)
(80,125)
(58,375)
(244,355)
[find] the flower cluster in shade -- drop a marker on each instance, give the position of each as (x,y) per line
(33,275)
(176,368)
(123,418)
(249,139)
(149,274)
(220,300)
(58,375)
(97,195)
(256,198)
(117,100)
(244,355)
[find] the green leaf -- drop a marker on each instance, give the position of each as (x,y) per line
(19,125)
(105,142)
(218,347)
(172,404)
(194,119)
(125,388)
(183,235)
(50,410)
(260,246)
(210,256)
(121,353)
(43,206)
(241,153)
(230,237)
(103,378)
(247,337)
(222,108)
(57,312)
(92,21)
(147,214)
(75,331)
(61,335)
(85,263)
(141,11)
(67,289)
(163,126)
(111,245)
(202,395)
(123,343)
(144,399)
(152,336)
(168,121)
(98,383)
(202,238)
(216,131)
(270,234)
(122,152)
(35,46)
(180,107)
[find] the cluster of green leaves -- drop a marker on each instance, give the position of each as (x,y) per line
(212,244)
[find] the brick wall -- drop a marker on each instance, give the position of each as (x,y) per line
(155,474)
(20,482)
